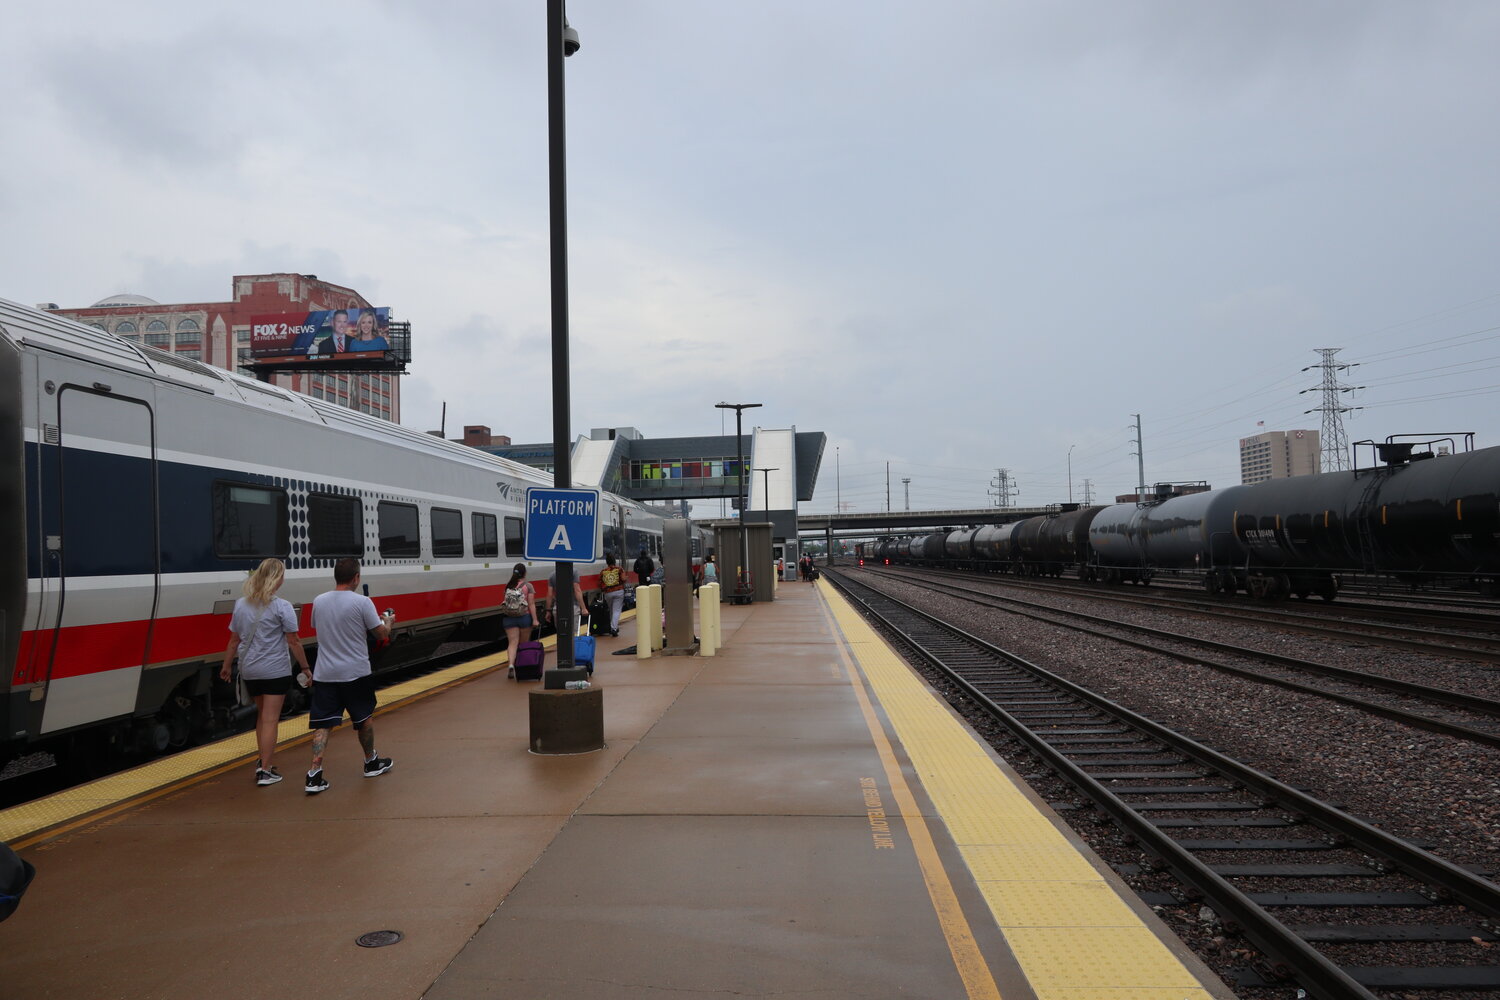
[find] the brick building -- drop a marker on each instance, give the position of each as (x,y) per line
(218,333)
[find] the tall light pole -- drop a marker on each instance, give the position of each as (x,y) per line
(767,487)
(739,449)
(562,41)
(838,485)
(1070,472)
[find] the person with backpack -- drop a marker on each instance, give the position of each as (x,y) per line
(518,613)
(643,567)
(612,582)
(263,633)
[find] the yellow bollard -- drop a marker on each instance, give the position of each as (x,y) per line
(708,602)
(658,635)
(718,613)
(647,620)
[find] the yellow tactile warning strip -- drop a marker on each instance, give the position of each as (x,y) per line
(1071,933)
(24,825)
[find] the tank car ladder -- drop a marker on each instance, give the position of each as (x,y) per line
(1362,529)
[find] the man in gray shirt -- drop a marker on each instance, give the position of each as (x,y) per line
(342,619)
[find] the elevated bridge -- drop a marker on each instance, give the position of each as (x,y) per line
(915,520)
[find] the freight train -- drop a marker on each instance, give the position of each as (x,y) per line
(139,489)
(1416,513)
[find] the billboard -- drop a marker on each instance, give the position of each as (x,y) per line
(347,334)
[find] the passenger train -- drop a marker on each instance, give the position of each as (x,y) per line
(1414,514)
(140,489)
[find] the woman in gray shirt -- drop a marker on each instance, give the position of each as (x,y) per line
(263,632)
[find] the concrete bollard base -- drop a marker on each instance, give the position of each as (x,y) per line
(565,722)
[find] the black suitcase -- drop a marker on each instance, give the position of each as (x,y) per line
(599,617)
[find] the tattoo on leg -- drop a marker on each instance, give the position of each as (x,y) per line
(367,739)
(319,744)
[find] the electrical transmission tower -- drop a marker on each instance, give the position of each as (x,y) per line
(906,481)
(1140,459)
(1335,445)
(1088,492)
(1002,487)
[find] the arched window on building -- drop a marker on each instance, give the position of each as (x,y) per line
(125,326)
(157,335)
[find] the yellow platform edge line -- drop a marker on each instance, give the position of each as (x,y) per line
(1076,924)
(53,815)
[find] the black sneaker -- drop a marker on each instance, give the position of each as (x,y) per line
(316,782)
(377,766)
(267,777)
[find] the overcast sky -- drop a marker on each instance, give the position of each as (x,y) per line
(954,236)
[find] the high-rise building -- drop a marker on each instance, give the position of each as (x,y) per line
(218,333)
(1278,454)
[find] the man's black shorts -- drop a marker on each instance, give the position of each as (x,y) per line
(330,699)
(270,685)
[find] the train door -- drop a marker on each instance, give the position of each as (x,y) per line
(101,562)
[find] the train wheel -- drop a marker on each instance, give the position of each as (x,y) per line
(1211,584)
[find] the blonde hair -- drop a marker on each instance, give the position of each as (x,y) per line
(264,582)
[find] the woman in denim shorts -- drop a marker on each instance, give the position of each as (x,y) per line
(517,626)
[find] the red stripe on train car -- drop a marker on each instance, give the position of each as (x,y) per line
(91,649)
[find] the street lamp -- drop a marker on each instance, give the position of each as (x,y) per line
(767,487)
(1070,472)
(741,590)
(562,41)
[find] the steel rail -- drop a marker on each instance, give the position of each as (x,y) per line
(1442,696)
(1426,640)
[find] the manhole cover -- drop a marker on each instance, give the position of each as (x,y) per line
(378,939)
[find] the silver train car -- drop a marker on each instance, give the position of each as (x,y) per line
(140,488)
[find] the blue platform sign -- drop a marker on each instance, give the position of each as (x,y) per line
(562,525)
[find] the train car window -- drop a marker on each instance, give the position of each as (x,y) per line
(486,540)
(398,531)
(333,525)
(447,533)
(515,536)
(250,521)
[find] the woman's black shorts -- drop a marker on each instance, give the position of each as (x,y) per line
(271,685)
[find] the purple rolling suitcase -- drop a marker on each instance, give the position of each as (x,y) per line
(528,661)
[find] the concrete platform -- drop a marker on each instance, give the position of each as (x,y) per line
(797,815)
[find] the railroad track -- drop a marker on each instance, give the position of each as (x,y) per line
(1453,623)
(1452,713)
(1388,914)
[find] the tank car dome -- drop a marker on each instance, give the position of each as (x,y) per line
(124,300)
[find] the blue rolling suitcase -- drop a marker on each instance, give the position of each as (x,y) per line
(583,652)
